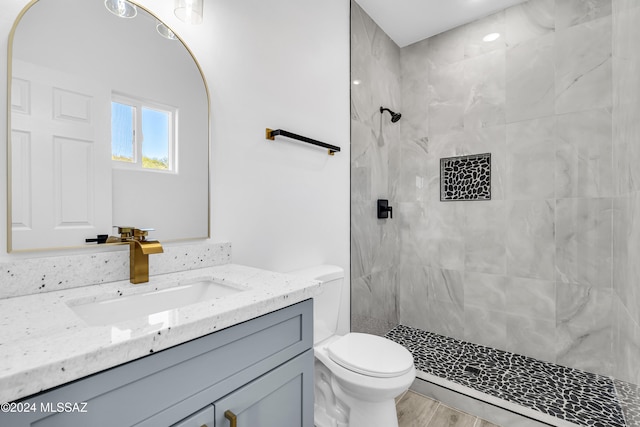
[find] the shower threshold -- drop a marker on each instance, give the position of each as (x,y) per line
(548,393)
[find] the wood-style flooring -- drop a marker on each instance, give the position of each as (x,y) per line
(416,410)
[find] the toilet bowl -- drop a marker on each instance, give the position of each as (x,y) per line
(357,376)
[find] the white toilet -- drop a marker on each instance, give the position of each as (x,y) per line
(357,376)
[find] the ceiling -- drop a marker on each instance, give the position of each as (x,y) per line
(409,21)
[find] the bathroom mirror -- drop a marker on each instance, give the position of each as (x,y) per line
(108,126)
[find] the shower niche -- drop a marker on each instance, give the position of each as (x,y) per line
(465,178)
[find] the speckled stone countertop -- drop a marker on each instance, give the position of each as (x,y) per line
(43,343)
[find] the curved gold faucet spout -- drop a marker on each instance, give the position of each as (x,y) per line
(149,247)
(139,250)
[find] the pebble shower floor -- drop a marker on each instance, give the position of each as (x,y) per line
(572,395)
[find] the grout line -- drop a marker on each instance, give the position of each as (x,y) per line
(433,414)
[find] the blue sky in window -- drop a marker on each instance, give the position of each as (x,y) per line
(155,129)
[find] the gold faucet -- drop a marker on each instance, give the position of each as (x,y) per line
(139,250)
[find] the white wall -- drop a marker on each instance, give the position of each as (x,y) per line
(278,64)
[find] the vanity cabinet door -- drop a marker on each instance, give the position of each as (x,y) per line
(202,418)
(280,398)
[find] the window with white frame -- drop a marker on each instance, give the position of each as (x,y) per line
(143,134)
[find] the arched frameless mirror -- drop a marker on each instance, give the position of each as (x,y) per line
(109,125)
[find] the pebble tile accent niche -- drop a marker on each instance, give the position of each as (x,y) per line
(572,395)
(465,177)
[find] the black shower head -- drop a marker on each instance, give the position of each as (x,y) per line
(394,116)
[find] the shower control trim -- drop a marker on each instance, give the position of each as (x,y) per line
(384,210)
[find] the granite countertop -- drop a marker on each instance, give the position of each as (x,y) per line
(43,343)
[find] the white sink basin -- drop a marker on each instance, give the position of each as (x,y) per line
(114,310)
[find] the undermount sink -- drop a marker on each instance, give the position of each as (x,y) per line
(115,310)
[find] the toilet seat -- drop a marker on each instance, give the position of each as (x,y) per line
(370,355)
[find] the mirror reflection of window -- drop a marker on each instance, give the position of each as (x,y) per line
(142,135)
(122,132)
(156,126)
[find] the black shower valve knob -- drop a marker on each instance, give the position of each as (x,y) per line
(384,210)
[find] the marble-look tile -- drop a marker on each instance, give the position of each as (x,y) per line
(414,174)
(626,232)
(484,83)
(530,239)
(531,298)
(445,318)
(626,345)
(433,237)
(447,98)
(584,328)
(485,247)
(476,30)
(361,298)
(633,253)
(622,6)
(620,250)
(415,109)
(528,20)
(531,152)
(445,286)
(374,242)
(384,295)
(584,241)
(626,67)
(367,36)
(448,47)
(584,154)
(583,78)
(575,12)
(486,291)
(411,217)
(414,60)
(443,231)
(531,337)
(530,86)
(444,311)
(413,296)
(485,327)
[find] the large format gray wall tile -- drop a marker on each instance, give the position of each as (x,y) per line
(530,84)
(547,267)
(583,66)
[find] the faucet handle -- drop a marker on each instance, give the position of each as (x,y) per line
(128,233)
(125,233)
(141,233)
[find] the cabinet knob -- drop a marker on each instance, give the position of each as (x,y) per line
(233,420)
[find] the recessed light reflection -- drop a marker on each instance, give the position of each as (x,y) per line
(165,31)
(491,37)
(357,82)
(121,8)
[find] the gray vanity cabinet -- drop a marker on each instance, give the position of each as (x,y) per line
(272,400)
(260,370)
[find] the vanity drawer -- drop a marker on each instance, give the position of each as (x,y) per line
(164,388)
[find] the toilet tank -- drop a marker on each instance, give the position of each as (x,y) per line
(326,306)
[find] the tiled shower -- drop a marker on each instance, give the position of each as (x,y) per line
(549,267)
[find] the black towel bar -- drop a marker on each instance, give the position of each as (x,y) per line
(271,134)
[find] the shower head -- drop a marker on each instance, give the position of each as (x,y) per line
(394,116)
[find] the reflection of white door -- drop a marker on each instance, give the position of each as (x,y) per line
(60,158)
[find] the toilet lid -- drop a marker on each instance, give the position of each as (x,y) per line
(371,355)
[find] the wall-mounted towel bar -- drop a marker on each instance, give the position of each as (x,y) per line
(271,134)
